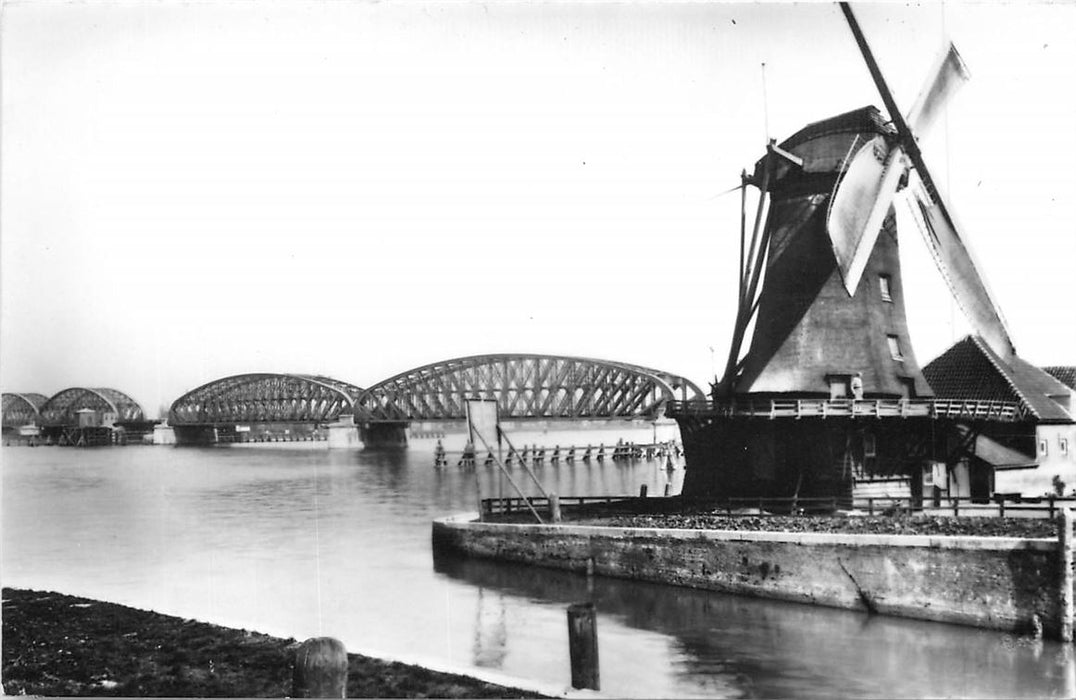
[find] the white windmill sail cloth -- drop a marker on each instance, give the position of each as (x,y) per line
(949,75)
(866,191)
(957,264)
(859,207)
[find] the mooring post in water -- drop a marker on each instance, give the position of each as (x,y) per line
(554,507)
(320,669)
(583,646)
(1064,540)
(642,491)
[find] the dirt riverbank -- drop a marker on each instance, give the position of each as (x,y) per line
(56,644)
(673,513)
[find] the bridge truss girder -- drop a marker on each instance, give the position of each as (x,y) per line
(62,407)
(21,409)
(524,386)
(265,398)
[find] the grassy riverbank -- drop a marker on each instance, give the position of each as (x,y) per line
(63,645)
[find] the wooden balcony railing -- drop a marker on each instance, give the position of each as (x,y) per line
(1003,411)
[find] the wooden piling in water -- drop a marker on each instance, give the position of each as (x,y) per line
(583,646)
(554,507)
(320,669)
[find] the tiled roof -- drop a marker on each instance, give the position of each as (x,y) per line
(970,370)
(1065,375)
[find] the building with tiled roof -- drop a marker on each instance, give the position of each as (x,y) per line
(970,370)
(1034,456)
(1065,375)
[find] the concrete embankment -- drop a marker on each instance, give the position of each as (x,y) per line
(1001,583)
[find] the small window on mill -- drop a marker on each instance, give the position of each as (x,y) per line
(883,285)
(894,348)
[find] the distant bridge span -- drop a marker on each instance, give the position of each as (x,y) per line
(524,386)
(266,398)
(22,409)
(62,408)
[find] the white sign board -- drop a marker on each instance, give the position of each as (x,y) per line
(482,420)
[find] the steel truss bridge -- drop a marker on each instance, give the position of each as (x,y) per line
(524,386)
(265,398)
(22,409)
(62,408)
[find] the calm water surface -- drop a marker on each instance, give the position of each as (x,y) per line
(300,543)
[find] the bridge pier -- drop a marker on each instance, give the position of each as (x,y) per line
(164,435)
(384,434)
(195,434)
(344,434)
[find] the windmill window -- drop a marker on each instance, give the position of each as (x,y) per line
(894,348)
(1044,446)
(883,286)
(1063,443)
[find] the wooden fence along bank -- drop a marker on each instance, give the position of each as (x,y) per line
(1011,584)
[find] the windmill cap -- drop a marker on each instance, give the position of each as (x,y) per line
(824,145)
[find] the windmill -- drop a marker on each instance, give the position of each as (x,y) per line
(821,297)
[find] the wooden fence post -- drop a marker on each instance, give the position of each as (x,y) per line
(1064,540)
(583,646)
(554,507)
(642,491)
(320,669)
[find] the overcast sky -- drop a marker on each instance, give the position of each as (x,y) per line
(197,189)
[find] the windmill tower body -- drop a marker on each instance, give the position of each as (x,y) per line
(814,342)
(811,335)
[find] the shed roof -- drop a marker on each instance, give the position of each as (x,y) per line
(970,370)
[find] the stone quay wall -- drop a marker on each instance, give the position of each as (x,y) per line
(990,582)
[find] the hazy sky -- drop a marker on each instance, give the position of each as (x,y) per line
(197,189)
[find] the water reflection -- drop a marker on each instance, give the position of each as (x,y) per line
(304,542)
(732,646)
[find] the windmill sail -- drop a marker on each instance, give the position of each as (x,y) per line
(866,192)
(951,250)
(860,205)
(949,75)
(957,264)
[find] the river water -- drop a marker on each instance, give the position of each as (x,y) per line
(305,542)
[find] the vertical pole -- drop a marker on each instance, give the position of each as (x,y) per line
(642,491)
(1064,538)
(320,669)
(583,646)
(478,493)
(554,507)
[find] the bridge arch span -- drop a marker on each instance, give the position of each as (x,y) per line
(21,409)
(265,398)
(524,386)
(61,408)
